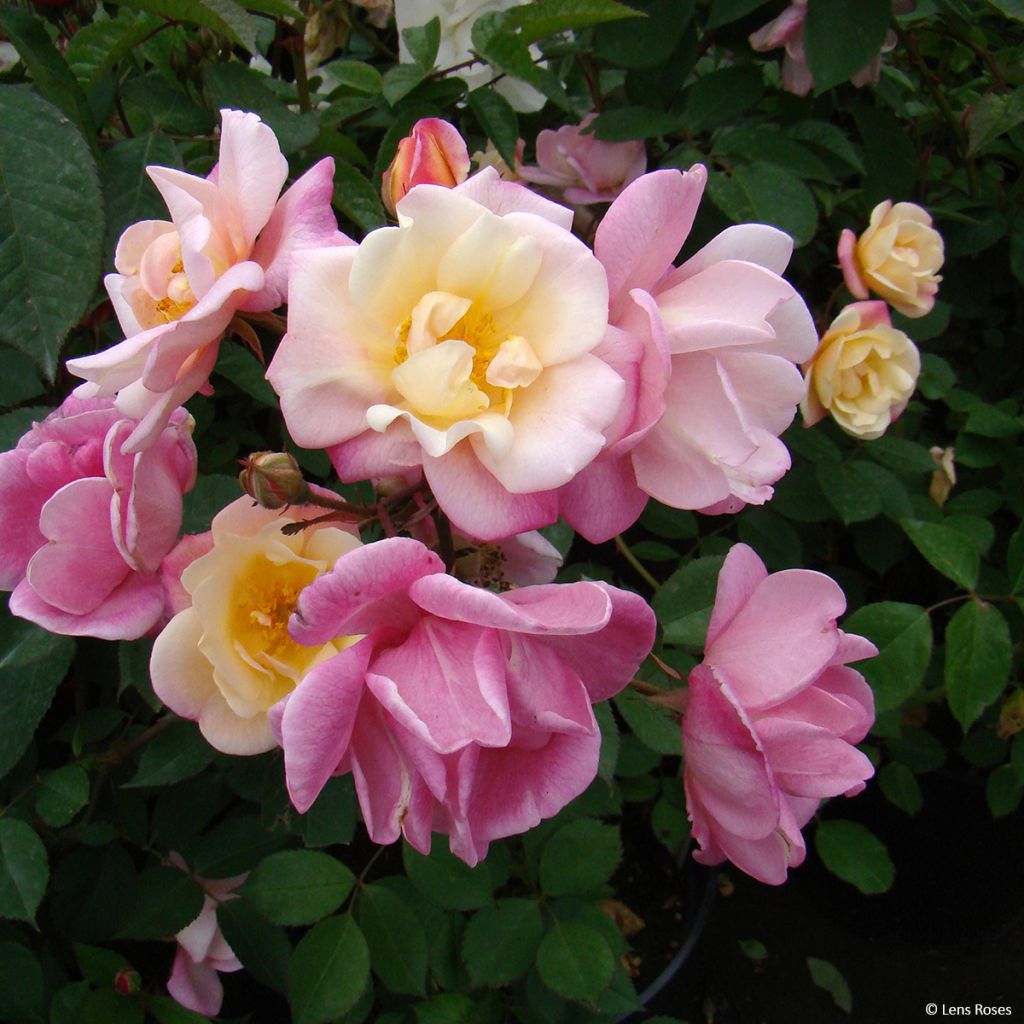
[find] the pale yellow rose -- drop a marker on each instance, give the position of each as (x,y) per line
(225,660)
(898,257)
(863,373)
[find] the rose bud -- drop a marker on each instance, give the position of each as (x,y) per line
(273,480)
(434,154)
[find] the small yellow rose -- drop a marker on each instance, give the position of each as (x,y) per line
(227,658)
(898,257)
(863,373)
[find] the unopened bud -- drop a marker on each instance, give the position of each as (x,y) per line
(127,981)
(273,480)
(434,154)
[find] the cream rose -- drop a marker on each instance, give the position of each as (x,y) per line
(898,257)
(863,373)
(227,658)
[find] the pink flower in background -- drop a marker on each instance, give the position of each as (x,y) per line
(179,283)
(84,528)
(585,169)
(202,950)
(461,711)
(788,30)
(460,341)
(771,716)
(434,153)
(709,352)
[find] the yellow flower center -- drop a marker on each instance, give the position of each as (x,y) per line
(179,298)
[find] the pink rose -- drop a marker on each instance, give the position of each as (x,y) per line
(179,282)
(708,351)
(85,527)
(583,167)
(460,341)
(788,30)
(202,949)
(461,711)
(434,153)
(771,716)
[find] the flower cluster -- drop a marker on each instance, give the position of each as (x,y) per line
(489,371)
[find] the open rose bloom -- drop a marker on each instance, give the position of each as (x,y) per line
(771,716)
(83,527)
(179,282)
(461,343)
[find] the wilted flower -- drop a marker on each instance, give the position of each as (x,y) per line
(944,478)
(708,352)
(378,12)
(898,257)
(226,248)
(460,341)
(457,18)
(203,952)
(461,711)
(585,169)
(83,528)
(771,716)
(863,373)
(227,657)
(434,153)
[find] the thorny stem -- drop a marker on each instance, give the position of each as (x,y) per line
(635,562)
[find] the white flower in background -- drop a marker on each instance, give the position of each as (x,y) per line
(457,18)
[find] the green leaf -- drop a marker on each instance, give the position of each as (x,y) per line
(1003,791)
(855,855)
(978,659)
(652,724)
(243,369)
(827,976)
(127,191)
(724,12)
(841,38)
(175,754)
(576,962)
(62,794)
(354,74)
(850,490)
(625,123)
(234,846)
(645,42)
(262,947)
(901,455)
(903,635)
(329,970)
(920,751)
(332,818)
(355,197)
(446,881)
(773,537)
(51,226)
(224,17)
(19,379)
(683,604)
(502,49)
(500,942)
(768,194)
(163,902)
(498,120)
(398,945)
(235,85)
(100,966)
(166,1011)
(946,550)
(544,18)
(579,858)
(423,41)
(97,47)
(33,663)
(988,421)
(24,870)
(900,786)
(167,106)
(110,1007)
(992,116)
(298,886)
(21,985)
(718,97)
(50,72)
(767,143)
(400,80)
(206,499)
(829,138)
